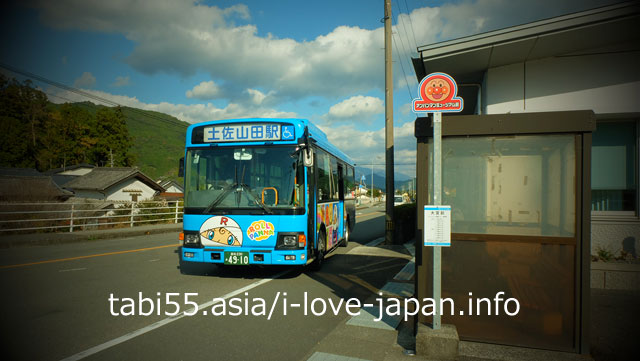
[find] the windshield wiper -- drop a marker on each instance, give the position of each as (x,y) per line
(256,200)
(225,192)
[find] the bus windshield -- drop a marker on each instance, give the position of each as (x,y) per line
(260,178)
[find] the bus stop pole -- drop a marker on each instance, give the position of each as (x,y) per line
(437,192)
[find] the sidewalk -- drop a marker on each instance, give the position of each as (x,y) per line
(34,239)
(614,330)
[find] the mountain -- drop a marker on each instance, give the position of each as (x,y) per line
(158,139)
(158,144)
(379,181)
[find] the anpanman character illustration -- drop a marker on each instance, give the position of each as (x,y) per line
(220,231)
(437,89)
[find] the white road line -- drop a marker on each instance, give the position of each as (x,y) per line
(72,269)
(166,321)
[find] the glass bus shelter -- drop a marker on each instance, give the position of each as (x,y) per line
(519,189)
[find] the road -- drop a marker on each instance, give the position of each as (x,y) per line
(55,303)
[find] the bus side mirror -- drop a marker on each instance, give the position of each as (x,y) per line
(307,157)
(181,168)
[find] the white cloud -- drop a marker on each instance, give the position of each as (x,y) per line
(186,37)
(257,97)
(204,91)
(121,81)
(193,113)
(86,80)
(359,108)
(363,146)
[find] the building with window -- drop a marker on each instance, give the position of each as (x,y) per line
(582,61)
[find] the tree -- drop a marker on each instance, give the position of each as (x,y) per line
(23,111)
(63,136)
(113,143)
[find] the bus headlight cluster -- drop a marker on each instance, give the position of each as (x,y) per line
(290,241)
(191,239)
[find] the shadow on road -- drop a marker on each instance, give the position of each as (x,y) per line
(366,231)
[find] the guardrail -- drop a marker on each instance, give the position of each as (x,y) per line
(73,216)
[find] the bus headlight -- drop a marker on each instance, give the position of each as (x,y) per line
(191,239)
(291,240)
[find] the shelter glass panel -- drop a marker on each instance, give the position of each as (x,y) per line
(510,185)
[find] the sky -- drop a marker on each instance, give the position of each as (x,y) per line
(212,60)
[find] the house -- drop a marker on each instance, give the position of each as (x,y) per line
(582,61)
(74,170)
(29,185)
(174,190)
(546,170)
(114,184)
(62,176)
(171,186)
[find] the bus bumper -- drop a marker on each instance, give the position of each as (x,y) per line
(255,256)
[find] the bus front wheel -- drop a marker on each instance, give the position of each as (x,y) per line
(345,241)
(317,264)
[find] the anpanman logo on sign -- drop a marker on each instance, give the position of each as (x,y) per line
(260,230)
(438,93)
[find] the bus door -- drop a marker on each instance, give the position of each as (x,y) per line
(311,208)
(341,190)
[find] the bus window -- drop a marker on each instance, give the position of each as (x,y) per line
(324,176)
(334,178)
(350,184)
(341,185)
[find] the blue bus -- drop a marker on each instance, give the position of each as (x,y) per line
(264,192)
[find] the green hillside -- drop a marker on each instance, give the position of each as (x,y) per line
(158,139)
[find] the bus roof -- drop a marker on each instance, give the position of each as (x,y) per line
(316,135)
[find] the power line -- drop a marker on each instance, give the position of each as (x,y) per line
(90,108)
(83,93)
(399,20)
(411,24)
(403,49)
(405,74)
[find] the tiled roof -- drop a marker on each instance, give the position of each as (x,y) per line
(30,188)
(100,179)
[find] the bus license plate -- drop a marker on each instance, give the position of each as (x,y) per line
(236,258)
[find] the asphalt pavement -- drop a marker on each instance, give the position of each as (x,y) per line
(361,271)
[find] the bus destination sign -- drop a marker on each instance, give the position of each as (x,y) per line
(248,133)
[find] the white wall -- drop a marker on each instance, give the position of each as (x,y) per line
(604,83)
(173,189)
(88,194)
(117,192)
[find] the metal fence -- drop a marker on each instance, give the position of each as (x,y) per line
(74,216)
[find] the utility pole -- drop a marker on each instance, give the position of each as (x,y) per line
(388,122)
